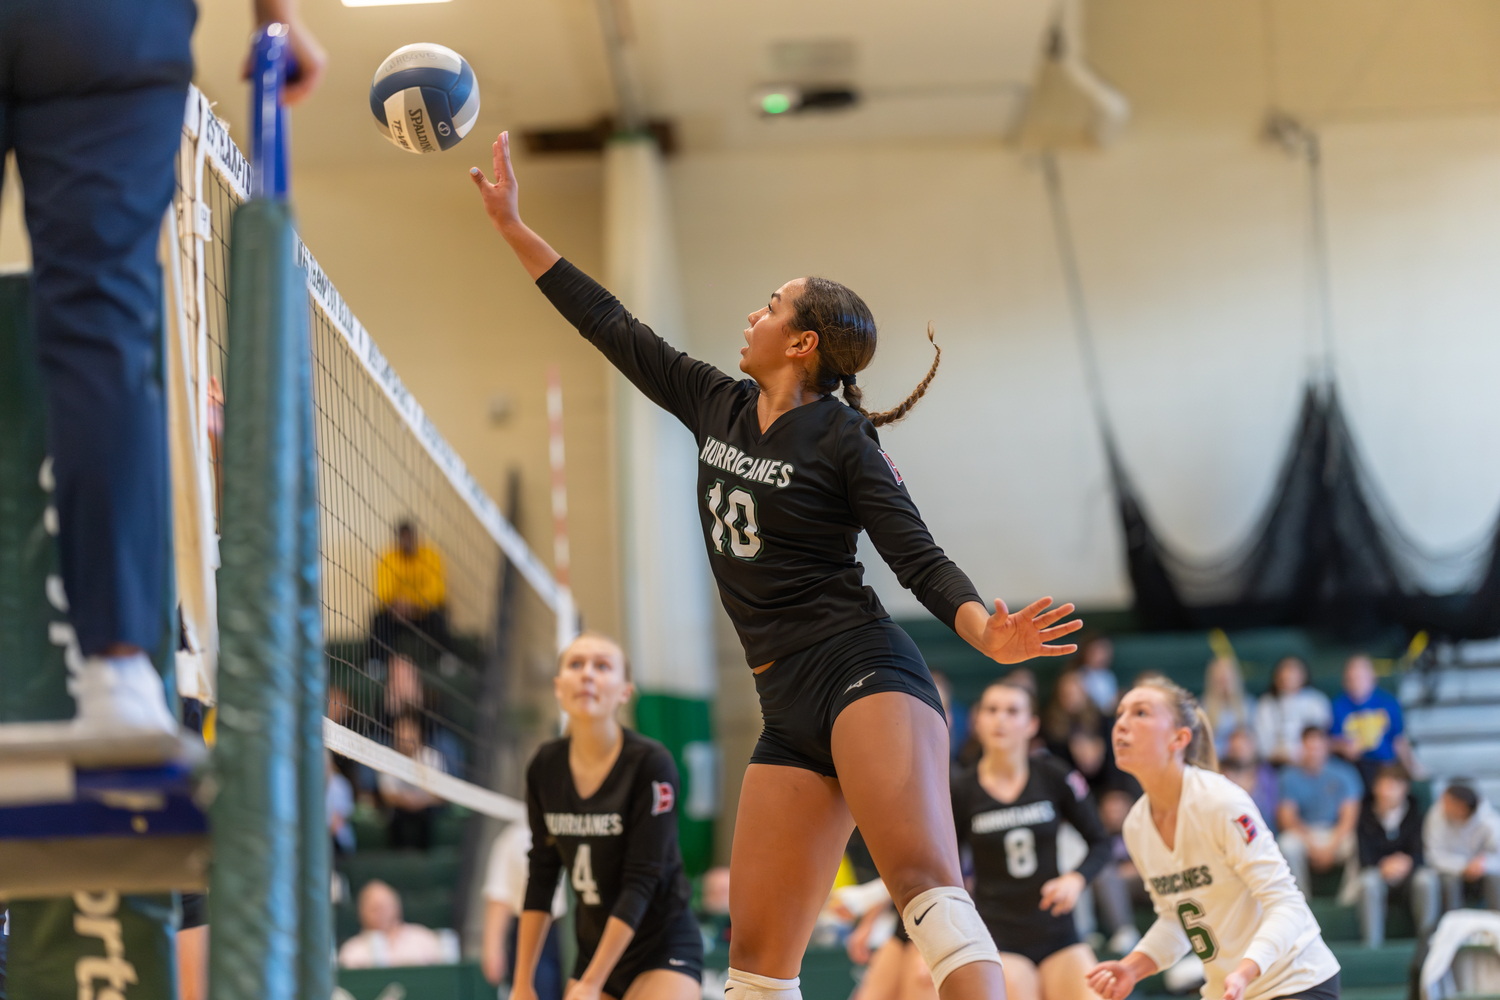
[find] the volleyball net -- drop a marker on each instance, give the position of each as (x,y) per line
(416,558)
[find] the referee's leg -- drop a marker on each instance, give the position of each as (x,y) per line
(94,114)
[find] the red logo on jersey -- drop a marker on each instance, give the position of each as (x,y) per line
(662,797)
(1246,823)
(894,471)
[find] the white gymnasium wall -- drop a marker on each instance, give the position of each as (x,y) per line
(1192,237)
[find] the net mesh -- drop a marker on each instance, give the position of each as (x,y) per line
(410,574)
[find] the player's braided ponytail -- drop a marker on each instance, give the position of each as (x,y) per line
(846,345)
(1189,714)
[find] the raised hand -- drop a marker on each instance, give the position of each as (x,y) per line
(501,198)
(1010,638)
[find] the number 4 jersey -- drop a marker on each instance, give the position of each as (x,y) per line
(618,847)
(781,511)
(1225,892)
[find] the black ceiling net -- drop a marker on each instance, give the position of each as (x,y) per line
(1326,552)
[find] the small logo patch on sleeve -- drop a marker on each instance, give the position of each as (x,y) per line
(894,471)
(1246,823)
(1079,785)
(663,797)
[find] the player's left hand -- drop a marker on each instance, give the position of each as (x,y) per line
(581,989)
(1236,982)
(1060,895)
(1012,638)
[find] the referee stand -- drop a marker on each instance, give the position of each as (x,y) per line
(97,833)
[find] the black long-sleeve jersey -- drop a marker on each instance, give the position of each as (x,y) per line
(1015,843)
(781,511)
(619,845)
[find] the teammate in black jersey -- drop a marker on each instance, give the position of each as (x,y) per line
(787,477)
(602,802)
(1007,808)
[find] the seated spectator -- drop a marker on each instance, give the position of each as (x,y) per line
(1242,765)
(504,899)
(1461,838)
(412,595)
(385,939)
(1390,857)
(1318,811)
(411,807)
(1118,886)
(1224,700)
(339,804)
(1286,710)
(1072,726)
(713,908)
(361,777)
(1096,671)
(1367,726)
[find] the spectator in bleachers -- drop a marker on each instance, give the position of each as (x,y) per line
(413,596)
(339,804)
(412,808)
(1461,837)
(1368,729)
(504,899)
(1224,700)
(361,777)
(1390,857)
(1073,728)
(1096,671)
(1285,711)
(1242,765)
(1118,886)
(385,939)
(1318,811)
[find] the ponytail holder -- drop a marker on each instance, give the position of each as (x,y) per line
(847,379)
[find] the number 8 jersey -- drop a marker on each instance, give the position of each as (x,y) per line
(781,511)
(1225,892)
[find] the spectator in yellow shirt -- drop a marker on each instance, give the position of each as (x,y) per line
(413,598)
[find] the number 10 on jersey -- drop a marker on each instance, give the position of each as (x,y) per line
(736,530)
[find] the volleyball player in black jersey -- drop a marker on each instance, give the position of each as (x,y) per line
(602,803)
(788,476)
(1007,807)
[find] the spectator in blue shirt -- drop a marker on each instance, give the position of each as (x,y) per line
(1318,812)
(1368,730)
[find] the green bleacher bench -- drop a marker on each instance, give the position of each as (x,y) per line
(420,982)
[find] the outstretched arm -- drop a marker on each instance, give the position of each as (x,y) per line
(1007,637)
(502,205)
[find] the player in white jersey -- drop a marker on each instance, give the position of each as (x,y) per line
(1219,884)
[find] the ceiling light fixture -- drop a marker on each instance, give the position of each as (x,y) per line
(386,3)
(790,99)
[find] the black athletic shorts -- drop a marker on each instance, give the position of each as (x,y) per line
(802,693)
(1040,937)
(1328,989)
(677,946)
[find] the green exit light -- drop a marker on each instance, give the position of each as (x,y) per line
(776,104)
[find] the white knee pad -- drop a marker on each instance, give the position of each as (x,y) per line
(749,986)
(946,929)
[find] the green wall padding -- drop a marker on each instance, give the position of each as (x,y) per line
(678,723)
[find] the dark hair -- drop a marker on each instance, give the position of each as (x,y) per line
(1314,731)
(1464,796)
(1010,685)
(846,345)
(1393,771)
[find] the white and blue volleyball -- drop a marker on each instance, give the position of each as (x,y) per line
(425,98)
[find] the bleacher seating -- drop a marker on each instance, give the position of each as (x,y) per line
(1452,706)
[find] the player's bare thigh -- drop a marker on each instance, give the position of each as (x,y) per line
(1063,974)
(882,980)
(664,984)
(1023,981)
(789,836)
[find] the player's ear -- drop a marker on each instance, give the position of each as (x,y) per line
(1033,727)
(801,344)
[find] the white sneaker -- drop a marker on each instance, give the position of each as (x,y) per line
(121,693)
(1124,939)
